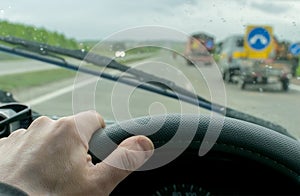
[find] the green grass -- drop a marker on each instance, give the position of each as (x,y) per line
(7,57)
(22,81)
(298,71)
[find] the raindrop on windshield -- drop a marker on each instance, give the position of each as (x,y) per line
(261,90)
(294,23)
(1,11)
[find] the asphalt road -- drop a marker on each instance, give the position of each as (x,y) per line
(119,102)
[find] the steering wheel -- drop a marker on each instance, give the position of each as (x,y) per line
(245,159)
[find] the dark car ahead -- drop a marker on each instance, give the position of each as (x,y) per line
(262,72)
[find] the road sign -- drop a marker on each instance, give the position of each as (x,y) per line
(258,41)
(259,38)
(295,49)
(209,44)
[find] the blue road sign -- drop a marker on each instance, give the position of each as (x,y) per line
(295,49)
(209,44)
(259,38)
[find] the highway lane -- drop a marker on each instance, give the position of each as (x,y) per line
(268,103)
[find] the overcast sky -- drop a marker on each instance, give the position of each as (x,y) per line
(97,19)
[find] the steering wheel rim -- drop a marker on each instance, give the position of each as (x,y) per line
(237,137)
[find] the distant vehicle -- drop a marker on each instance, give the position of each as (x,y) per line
(230,51)
(198,49)
(258,72)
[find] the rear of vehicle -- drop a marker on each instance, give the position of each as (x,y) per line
(257,72)
(198,49)
(231,53)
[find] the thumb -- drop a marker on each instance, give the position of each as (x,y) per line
(131,154)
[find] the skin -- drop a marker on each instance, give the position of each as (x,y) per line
(50,157)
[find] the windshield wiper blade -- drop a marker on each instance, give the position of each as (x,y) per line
(153,83)
(136,83)
(107,62)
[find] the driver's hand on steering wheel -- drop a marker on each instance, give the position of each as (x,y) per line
(50,157)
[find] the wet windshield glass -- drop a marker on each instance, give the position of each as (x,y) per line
(240,54)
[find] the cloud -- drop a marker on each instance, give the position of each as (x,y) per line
(272,7)
(95,19)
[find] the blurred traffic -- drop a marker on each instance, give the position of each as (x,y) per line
(256,57)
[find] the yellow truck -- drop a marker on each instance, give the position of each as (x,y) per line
(267,61)
(256,45)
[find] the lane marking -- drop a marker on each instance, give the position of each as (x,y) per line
(59,92)
(62,91)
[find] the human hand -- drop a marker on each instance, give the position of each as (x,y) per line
(50,157)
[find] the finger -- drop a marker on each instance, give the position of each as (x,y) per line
(17,132)
(129,156)
(40,123)
(87,123)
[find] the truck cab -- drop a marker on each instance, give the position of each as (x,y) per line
(198,49)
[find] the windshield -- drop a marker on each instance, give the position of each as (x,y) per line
(238,54)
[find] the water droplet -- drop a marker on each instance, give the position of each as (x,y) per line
(294,23)
(41,49)
(261,90)
(82,50)
(210,20)
(1,11)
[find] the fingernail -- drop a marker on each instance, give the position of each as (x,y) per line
(146,145)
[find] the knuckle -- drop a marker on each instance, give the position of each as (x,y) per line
(43,119)
(40,122)
(18,132)
(65,125)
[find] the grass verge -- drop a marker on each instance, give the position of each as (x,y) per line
(21,81)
